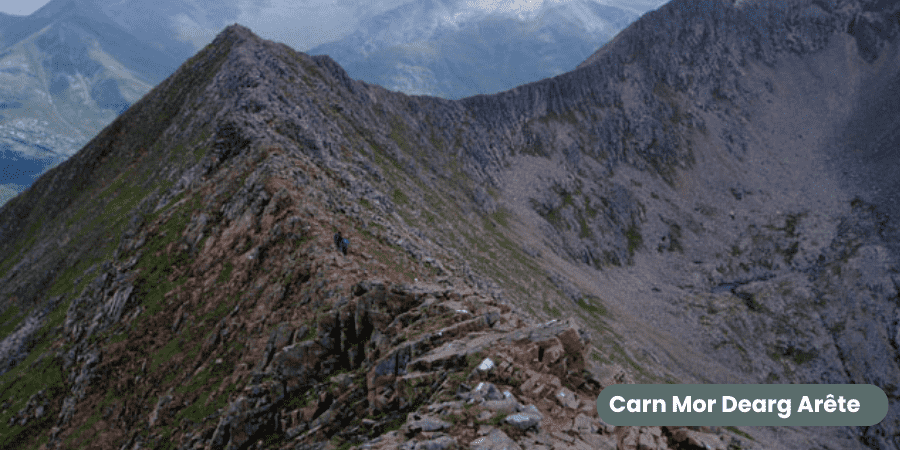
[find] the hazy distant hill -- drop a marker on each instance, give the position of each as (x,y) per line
(66,72)
(454,49)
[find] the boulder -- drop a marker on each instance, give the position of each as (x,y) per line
(418,423)
(528,418)
(496,440)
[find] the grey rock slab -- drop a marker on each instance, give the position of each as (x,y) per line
(584,424)
(508,405)
(439,443)
(426,424)
(484,391)
(496,440)
(567,398)
(445,407)
(524,420)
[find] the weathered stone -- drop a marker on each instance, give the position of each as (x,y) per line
(445,407)
(687,438)
(496,440)
(484,391)
(486,365)
(508,405)
(418,424)
(241,423)
(281,336)
(295,363)
(640,438)
(567,399)
(528,418)
(584,424)
(439,443)
(160,404)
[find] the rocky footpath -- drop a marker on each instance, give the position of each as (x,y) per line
(422,367)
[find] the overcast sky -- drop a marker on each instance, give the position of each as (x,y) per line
(21,7)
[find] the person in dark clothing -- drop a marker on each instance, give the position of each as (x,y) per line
(338,239)
(344,244)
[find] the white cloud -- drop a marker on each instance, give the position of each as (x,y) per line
(190,31)
(306,24)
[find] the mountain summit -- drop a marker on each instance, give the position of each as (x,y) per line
(690,205)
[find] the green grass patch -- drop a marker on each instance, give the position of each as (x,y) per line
(593,305)
(596,356)
(156,265)
(397,134)
(172,348)
(225,274)
(436,142)
(9,320)
(740,433)
(95,417)
(501,216)
(205,405)
(220,311)
(635,240)
(553,311)
(585,231)
(399,197)
(495,421)
(297,399)
(65,282)
(590,210)
(18,385)
(32,235)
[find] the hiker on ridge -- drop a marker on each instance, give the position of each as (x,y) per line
(341,243)
(337,240)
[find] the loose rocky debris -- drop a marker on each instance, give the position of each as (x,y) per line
(412,367)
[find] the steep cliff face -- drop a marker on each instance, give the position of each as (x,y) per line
(640,219)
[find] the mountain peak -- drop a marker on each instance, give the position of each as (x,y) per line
(235,33)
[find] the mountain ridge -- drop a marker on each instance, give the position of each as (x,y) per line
(94,84)
(709,257)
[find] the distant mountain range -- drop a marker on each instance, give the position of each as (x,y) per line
(454,49)
(70,68)
(66,72)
